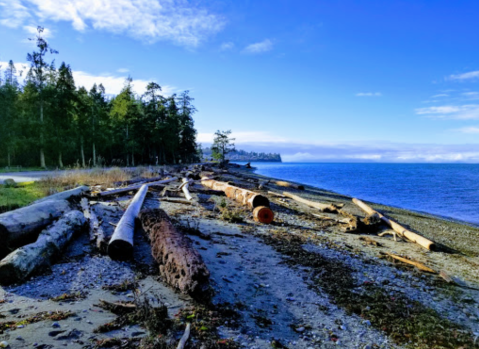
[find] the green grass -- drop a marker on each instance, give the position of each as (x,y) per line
(25,193)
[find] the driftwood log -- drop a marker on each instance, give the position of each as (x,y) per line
(333,208)
(22,262)
(180,265)
(403,232)
(121,243)
(20,227)
(185,188)
(65,195)
(97,235)
(263,214)
(243,196)
(288,185)
(134,187)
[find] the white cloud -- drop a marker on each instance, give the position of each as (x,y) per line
(30,29)
(123,70)
(151,20)
(460,112)
(470,129)
(369,94)
(226,46)
(13,13)
(440,95)
(112,83)
(259,47)
(465,76)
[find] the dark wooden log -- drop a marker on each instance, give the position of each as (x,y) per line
(20,227)
(180,265)
(121,243)
(22,262)
(263,214)
(97,235)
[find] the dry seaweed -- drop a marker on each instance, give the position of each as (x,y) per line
(404,320)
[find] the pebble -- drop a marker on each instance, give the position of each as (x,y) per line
(55,325)
(3,344)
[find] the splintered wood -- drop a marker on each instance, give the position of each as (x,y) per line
(180,265)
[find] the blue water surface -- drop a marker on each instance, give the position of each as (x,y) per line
(449,190)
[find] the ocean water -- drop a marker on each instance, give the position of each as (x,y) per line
(449,190)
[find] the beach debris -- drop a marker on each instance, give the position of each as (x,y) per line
(288,185)
(65,195)
(369,241)
(120,246)
(21,263)
(185,188)
(333,208)
(180,265)
(177,201)
(118,308)
(418,239)
(185,337)
(21,226)
(243,196)
(263,214)
(97,235)
(417,264)
(134,187)
(276,194)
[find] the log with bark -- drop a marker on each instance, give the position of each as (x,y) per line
(403,232)
(134,187)
(243,196)
(121,243)
(22,262)
(180,265)
(21,226)
(97,235)
(65,195)
(333,208)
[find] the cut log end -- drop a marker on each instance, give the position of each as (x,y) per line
(120,250)
(263,214)
(260,200)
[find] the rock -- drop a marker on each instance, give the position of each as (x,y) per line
(3,344)
(10,183)
(55,325)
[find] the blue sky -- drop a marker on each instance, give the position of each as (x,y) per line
(314,80)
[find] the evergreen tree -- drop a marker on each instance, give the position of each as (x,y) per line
(38,76)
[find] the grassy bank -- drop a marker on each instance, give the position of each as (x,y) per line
(22,195)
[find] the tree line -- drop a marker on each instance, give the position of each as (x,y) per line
(47,121)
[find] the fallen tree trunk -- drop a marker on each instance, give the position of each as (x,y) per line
(263,214)
(177,200)
(180,265)
(121,242)
(134,187)
(21,263)
(185,188)
(19,227)
(333,208)
(288,185)
(418,239)
(65,195)
(97,235)
(139,180)
(244,196)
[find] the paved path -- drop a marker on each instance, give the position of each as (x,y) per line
(27,176)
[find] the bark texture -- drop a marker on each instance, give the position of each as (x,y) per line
(19,227)
(180,264)
(243,196)
(22,262)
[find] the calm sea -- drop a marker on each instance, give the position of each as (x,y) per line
(450,190)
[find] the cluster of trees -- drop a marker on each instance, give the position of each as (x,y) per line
(47,120)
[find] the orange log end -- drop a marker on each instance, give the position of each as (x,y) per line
(263,214)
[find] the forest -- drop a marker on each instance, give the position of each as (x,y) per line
(47,121)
